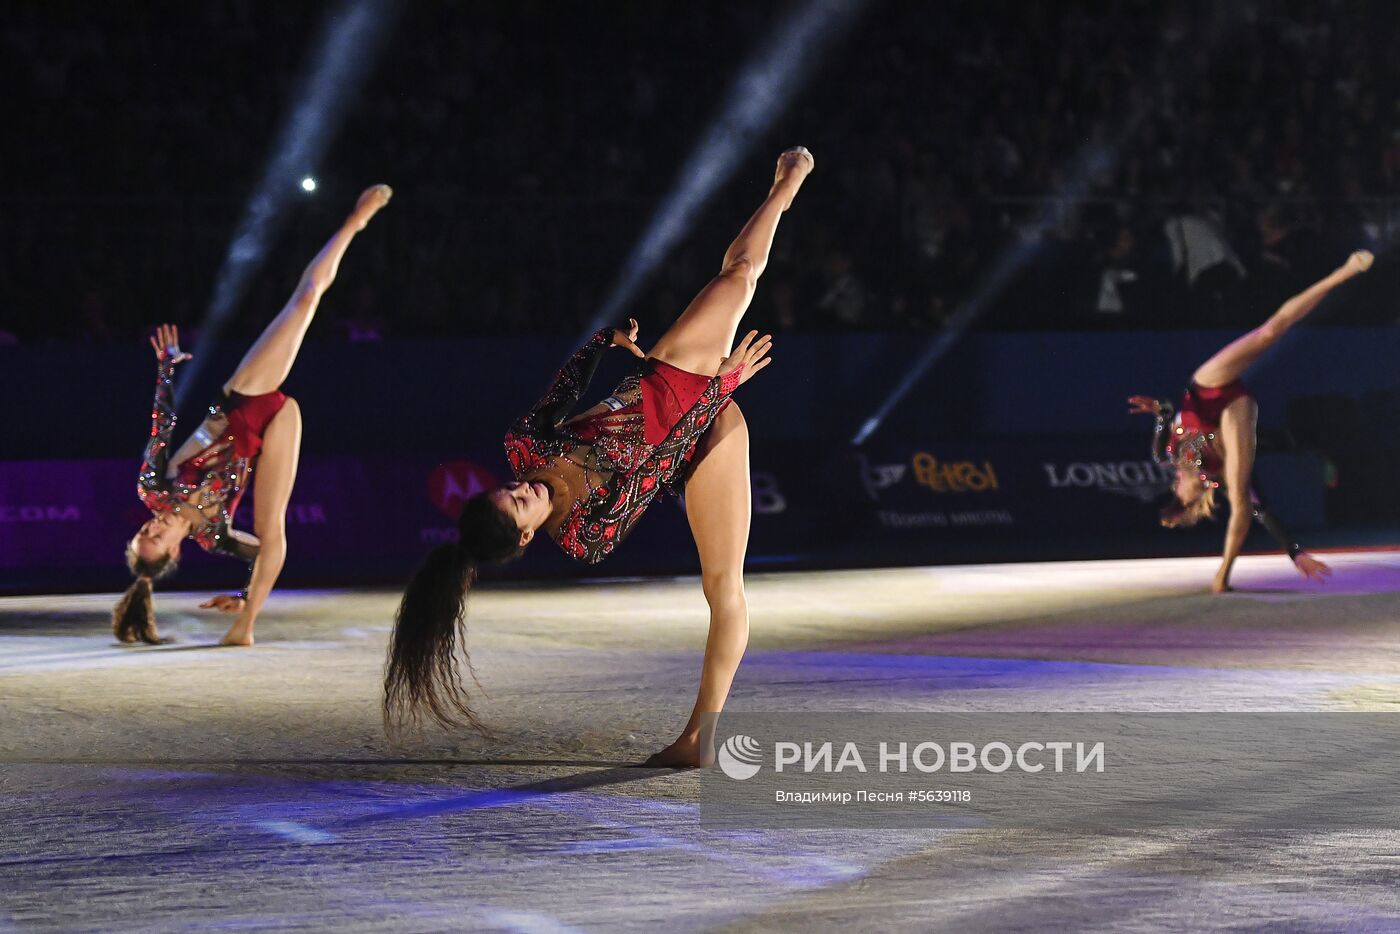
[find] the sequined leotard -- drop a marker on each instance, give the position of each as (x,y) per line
(1192,435)
(212,480)
(1185,440)
(624,470)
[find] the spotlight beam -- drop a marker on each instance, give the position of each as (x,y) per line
(342,58)
(760,93)
(1088,162)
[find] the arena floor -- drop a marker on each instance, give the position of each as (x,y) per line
(191,788)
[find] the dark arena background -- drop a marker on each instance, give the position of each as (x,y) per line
(1021,214)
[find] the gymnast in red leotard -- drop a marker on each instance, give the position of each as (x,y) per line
(194,492)
(586,480)
(1210,441)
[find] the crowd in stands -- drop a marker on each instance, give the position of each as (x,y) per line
(1040,165)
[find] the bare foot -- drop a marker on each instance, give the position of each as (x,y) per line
(238,634)
(794,165)
(371,200)
(684,753)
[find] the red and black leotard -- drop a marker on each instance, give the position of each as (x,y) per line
(627,454)
(1197,424)
(1186,442)
(216,476)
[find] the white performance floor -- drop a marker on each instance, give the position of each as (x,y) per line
(191,788)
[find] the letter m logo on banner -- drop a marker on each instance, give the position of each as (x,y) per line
(454,482)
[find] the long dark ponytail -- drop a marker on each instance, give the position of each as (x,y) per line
(422,674)
(134,616)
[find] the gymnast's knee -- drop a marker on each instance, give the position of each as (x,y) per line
(1268,333)
(741,269)
(724,590)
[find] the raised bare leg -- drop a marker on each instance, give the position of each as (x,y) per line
(1230,363)
(704,333)
(266,364)
(273,480)
(718,507)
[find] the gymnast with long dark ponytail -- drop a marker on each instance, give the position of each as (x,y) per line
(423,672)
(586,479)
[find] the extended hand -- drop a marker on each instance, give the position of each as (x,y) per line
(166,343)
(1311,568)
(224,603)
(626,338)
(1143,405)
(751,354)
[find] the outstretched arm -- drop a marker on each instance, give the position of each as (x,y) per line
(1306,564)
(573,378)
(1274,527)
(1163,412)
(166,343)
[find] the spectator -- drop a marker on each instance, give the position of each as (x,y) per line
(526,169)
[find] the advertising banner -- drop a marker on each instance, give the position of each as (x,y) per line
(368,520)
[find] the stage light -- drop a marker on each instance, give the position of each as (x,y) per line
(1091,161)
(759,94)
(1002,271)
(341,59)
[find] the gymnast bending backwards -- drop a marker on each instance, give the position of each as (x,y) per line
(1210,442)
(585,479)
(194,492)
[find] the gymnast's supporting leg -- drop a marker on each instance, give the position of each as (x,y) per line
(718,505)
(273,480)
